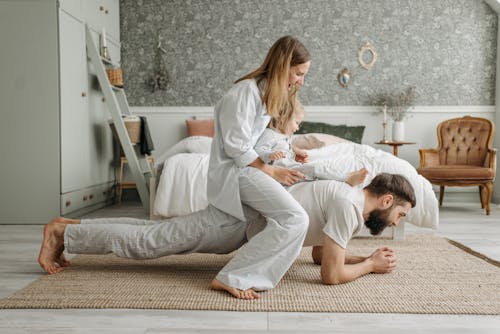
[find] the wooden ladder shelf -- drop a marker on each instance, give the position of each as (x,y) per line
(118,107)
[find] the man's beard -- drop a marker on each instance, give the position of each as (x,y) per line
(377,221)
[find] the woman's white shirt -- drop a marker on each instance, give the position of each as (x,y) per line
(240,119)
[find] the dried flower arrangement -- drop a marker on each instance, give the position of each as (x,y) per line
(398,105)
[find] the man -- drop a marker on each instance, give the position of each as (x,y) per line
(336,212)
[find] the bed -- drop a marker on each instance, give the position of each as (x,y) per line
(181,188)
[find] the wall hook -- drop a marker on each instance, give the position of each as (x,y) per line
(159,44)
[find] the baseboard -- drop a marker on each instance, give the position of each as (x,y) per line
(43,220)
(460,195)
(81,212)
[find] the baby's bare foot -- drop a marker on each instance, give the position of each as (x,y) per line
(62,261)
(357,177)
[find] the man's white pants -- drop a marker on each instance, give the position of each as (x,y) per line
(265,258)
(206,231)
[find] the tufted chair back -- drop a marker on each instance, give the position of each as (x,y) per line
(465,141)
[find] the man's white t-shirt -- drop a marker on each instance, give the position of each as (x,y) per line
(334,208)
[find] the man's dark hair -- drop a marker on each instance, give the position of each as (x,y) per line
(394,184)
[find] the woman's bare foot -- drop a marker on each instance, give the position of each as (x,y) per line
(241,294)
(51,257)
(357,177)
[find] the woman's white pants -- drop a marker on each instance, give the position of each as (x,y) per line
(264,259)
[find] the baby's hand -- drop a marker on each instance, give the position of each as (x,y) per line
(301,155)
(277,155)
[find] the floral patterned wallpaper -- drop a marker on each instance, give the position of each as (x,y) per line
(446,48)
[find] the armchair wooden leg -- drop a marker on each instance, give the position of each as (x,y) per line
(481,196)
(489,187)
(441,194)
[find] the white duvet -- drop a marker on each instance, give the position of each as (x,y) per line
(183,183)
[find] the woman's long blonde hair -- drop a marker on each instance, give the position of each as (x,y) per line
(286,52)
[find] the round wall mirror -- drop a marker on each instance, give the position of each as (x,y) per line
(367,56)
(344,77)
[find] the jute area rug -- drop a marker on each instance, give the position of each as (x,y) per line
(433,276)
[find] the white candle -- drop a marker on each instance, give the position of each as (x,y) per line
(385,114)
(103,36)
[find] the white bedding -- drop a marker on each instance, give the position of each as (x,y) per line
(183,183)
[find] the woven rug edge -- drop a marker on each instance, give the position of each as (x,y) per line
(477,254)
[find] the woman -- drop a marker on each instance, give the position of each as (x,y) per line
(237,175)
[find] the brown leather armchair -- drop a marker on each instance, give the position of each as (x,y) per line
(464,157)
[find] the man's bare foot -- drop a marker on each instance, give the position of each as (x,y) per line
(357,177)
(61,260)
(62,220)
(241,294)
(51,251)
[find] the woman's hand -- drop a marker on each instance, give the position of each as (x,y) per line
(383,260)
(285,176)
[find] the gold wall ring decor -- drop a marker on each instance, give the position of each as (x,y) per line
(362,50)
(344,77)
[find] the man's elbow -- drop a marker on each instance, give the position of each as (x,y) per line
(331,279)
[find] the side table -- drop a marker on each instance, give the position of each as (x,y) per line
(395,145)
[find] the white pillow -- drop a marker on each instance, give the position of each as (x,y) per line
(194,144)
(311,141)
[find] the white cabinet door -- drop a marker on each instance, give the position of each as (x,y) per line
(100,164)
(74,105)
(103,14)
(73,7)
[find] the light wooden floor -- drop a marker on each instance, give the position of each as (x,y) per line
(19,248)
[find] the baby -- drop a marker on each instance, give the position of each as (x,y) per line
(275,147)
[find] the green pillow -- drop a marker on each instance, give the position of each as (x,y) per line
(352,133)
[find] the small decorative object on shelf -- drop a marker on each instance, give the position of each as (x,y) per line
(398,107)
(115,77)
(384,124)
(344,77)
(398,131)
(104,45)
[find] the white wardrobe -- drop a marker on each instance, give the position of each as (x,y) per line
(56,147)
